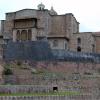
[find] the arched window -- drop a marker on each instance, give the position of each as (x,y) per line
(79,49)
(24,35)
(79,40)
(93,48)
(29,34)
(18,35)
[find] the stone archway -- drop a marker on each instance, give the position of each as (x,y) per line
(23,35)
(29,34)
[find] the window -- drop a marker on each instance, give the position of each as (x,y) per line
(55,89)
(24,35)
(78,40)
(55,43)
(93,48)
(79,49)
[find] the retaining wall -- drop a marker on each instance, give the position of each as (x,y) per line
(24,89)
(81,97)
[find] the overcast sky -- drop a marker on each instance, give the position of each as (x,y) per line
(87,12)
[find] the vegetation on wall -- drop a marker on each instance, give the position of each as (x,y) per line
(7,70)
(60,93)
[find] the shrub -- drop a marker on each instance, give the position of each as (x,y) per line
(7,71)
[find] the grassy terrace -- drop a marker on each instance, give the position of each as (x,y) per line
(66,93)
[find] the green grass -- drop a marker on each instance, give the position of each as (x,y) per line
(66,93)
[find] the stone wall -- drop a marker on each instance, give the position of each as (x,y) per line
(81,97)
(8,26)
(58,25)
(56,73)
(9,89)
(67,76)
(60,43)
(31,50)
(97,42)
(86,44)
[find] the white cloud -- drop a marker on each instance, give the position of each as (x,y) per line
(86,11)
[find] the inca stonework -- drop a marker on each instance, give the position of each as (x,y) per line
(44,52)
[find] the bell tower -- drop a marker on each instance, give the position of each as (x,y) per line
(41,6)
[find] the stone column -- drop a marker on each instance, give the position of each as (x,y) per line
(14,35)
(34,32)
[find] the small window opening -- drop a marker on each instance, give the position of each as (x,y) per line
(93,48)
(79,49)
(55,89)
(79,40)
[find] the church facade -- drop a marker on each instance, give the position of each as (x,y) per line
(61,31)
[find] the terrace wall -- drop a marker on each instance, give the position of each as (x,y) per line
(81,97)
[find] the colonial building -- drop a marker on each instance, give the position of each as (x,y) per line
(61,31)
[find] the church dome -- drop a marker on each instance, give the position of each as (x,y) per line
(52,11)
(41,6)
